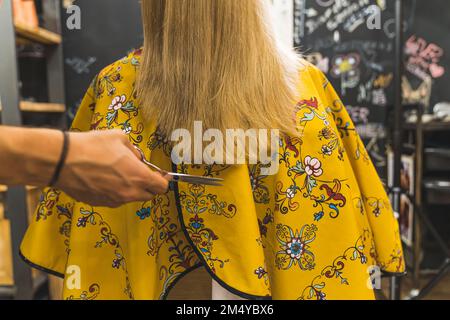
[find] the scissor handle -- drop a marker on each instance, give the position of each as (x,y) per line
(179,177)
(144,160)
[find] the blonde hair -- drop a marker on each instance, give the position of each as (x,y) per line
(215,61)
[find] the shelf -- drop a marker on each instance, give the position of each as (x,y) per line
(38,35)
(7,292)
(5,188)
(437,191)
(35,114)
(42,107)
(429,126)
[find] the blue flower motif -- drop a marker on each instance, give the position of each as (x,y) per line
(295,248)
(318,216)
(322,296)
(196,225)
(116,263)
(82,222)
(126,127)
(63,210)
(144,213)
(363,258)
(260,272)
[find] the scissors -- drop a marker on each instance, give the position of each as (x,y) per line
(179,177)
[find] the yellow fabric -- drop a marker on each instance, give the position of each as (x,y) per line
(312,231)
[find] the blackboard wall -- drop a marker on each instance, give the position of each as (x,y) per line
(428,48)
(109,30)
(334,33)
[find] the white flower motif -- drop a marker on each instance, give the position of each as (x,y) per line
(290,193)
(117,103)
(313,167)
(295,248)
(326,150)
(127,129)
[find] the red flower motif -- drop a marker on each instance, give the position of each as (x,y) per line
(311,103)
(334,193)
(291,146)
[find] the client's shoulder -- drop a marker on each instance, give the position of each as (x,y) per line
(311,78)
(307,69)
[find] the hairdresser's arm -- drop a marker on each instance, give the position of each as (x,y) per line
(102,168)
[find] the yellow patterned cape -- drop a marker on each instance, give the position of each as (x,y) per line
(315,230)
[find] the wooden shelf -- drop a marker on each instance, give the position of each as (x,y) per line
(429,126)
(34,114)
(5,188)
(6,273)
(39,35)
(41,107)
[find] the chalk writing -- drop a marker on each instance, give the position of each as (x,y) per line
(79,65)
(424,58)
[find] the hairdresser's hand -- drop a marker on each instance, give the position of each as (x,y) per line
(104,169)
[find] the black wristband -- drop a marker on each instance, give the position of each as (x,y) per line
(62,160)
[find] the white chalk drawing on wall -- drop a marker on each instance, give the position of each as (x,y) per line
(359,114)
(365,91)
(424,63)
(369,131)
(330,28)
(325,3)
(299,20)
(370,16)
(424,58)
(389,24)
(373,91)
(420,95)
(346,13)
(346,67)
(341,16)
(380,84)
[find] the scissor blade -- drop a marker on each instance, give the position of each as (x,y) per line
(196,179)
(203,183)
(179,177)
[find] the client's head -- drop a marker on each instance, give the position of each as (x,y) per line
(215,61)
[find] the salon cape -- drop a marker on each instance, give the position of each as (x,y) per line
(321,228)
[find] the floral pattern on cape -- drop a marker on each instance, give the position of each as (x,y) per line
(313,231)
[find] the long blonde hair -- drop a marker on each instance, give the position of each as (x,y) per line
(215,61)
